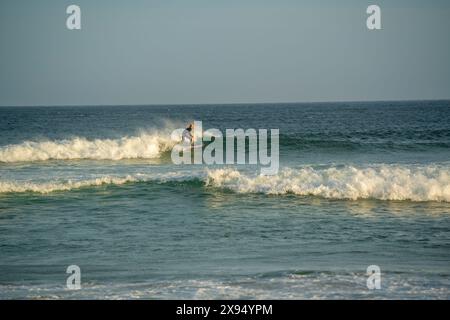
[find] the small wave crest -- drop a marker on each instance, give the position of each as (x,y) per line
(53,186)
(45,187)
(143,146)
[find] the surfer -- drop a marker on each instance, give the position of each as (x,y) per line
(188,136)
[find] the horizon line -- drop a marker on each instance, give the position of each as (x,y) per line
(223,103)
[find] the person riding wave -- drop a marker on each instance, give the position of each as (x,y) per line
(188,136)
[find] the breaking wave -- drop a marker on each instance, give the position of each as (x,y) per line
(144,146)
(383,182)
(430,183)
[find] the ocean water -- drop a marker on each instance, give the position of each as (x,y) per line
(359,184)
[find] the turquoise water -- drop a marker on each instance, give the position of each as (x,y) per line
(359,184)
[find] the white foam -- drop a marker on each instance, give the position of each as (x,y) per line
(145,146)
(317,285)
(385,182)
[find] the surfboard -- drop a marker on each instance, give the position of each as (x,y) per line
(188,148)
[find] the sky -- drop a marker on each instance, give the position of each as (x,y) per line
(222,51)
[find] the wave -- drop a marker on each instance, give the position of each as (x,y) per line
(383,182)
(386,182)
(143,146)
(153,145)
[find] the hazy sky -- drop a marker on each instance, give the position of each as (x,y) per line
(222,51)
